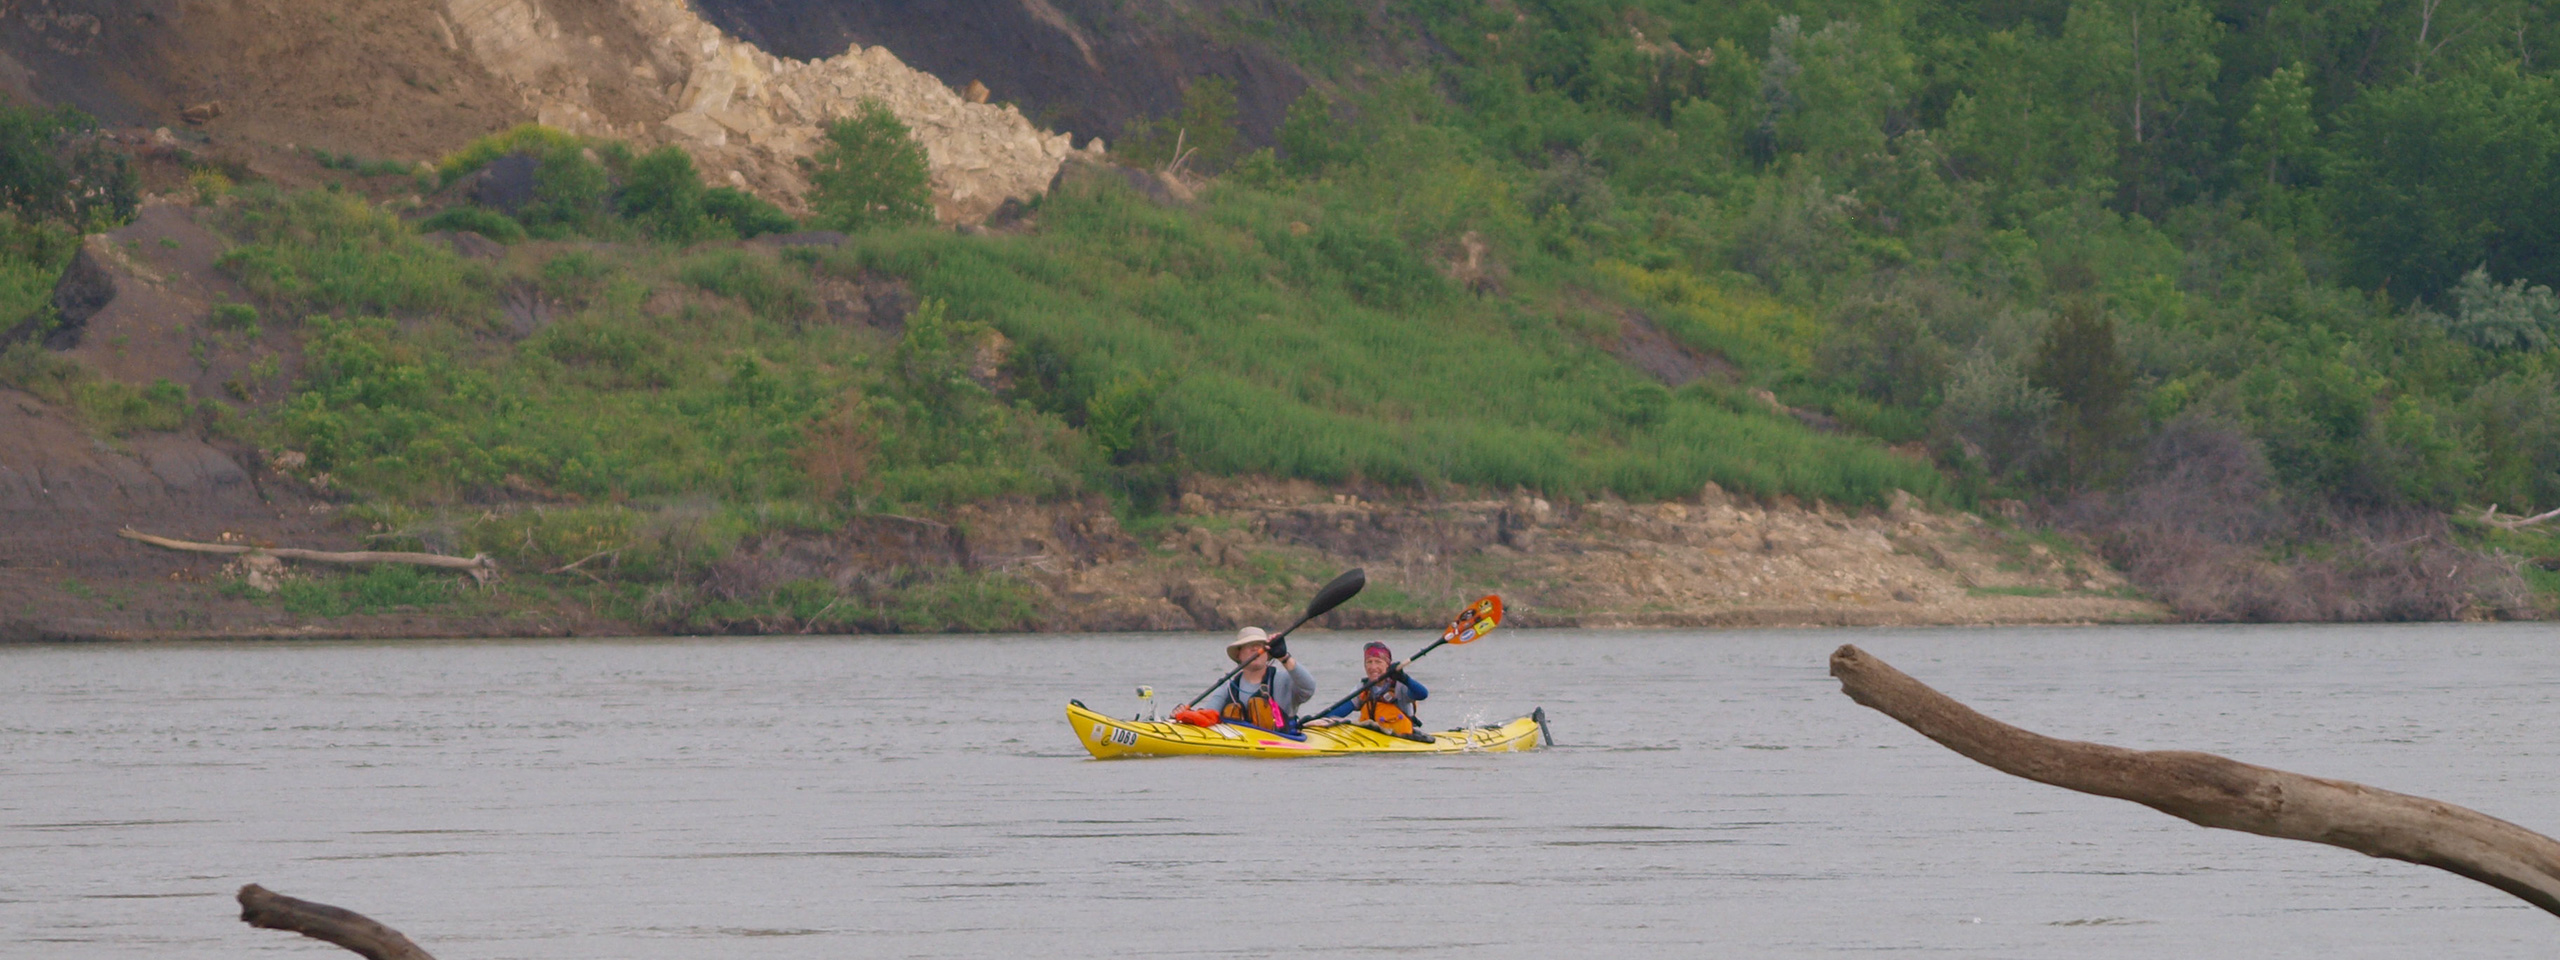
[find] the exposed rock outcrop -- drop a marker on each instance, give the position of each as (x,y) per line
(651,71)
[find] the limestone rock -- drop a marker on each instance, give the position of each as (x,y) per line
(86,287)
(746,115)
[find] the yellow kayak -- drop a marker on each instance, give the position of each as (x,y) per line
(1109,737)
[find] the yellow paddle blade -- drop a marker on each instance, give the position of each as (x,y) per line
(1478,619)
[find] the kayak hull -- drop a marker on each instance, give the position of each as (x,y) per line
(1111,738)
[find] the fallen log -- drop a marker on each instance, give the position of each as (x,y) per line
(269,910)
(480,566)
(2491,516)
(2214,791)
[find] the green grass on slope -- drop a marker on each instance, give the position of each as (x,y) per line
(1288,336)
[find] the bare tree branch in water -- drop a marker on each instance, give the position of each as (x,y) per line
(266,909)
(2213,791)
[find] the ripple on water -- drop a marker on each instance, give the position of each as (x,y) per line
(826,798)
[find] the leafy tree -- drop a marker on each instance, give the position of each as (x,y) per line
(2277,133)
(2148,66)
(663,195)
(53,169)
(2510,317)
(2433,179)
(2078,361)
(2024,128)
(571,194)
(1828,96)
(1312,140)
(1995,414)
(870,173)
(2517,418)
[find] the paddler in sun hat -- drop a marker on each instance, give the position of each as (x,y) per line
(1257,695)
(1385,703)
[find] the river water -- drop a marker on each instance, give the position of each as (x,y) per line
(1712,794)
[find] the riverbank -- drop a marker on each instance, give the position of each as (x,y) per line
(1232,552)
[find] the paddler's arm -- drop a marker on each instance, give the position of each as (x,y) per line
(1215,701)
(1302,685)
(1413,688)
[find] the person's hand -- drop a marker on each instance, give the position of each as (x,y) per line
(1324,721)
(1280,648)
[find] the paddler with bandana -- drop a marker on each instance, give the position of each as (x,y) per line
(1257,695)
(1385,703)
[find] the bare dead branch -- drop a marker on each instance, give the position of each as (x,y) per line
(269,910)
(2491,517)
(2213,791)
(616,553)
(480,566)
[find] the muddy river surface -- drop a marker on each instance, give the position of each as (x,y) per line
(1712,794)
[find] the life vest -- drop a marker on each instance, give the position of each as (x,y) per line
(1379,708)
(1259,709)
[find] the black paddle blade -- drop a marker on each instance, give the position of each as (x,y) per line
(1342,588)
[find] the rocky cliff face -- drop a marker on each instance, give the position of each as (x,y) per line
(1087,66)
(413,79)
(651,71)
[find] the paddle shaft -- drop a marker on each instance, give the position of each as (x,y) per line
(1388,676)
(1231,674)
(1333,595)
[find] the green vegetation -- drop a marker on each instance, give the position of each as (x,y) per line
(1203,135)
(597,189)
(384,588)
(2269,274)
(57,180)
(869,174)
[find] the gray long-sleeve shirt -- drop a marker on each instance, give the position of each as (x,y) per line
(1290,688)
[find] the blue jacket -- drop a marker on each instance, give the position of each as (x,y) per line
(1409,690)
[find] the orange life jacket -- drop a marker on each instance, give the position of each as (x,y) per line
(1376,707)
(1258,709)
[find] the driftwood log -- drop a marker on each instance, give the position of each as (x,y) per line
(2516,523)
(2213,791)
(269,910)
(479,566)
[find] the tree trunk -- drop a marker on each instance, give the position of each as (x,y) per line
(2215,791)
(479,566)
(266,909)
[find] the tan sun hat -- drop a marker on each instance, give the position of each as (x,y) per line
(1245,638)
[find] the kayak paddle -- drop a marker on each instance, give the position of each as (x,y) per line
(1470,625)
(1342,588)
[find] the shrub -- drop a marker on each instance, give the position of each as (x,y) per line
(571,194)
(766,289)
(233,316)
(531,138)
(120,409)
(52,168)
(1202,135)
(2510,317)
(870,173)
(32,255)
(746,214)
(663,195)
(1311,140)
(485,222)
